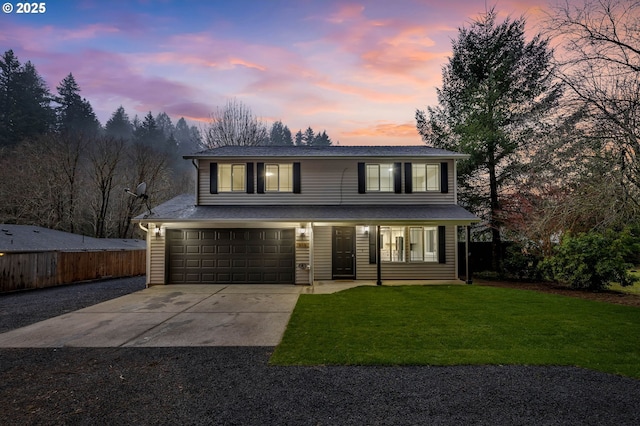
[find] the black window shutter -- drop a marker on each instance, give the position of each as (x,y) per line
(442,244)
(397,178)
(250,188)
(361,179)
(373,246)
(213,178)
(260,172)
(444,177)
(296,178)
(408,178)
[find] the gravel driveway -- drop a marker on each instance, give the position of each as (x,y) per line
(218,385)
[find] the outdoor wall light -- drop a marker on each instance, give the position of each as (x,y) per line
(302,232)
(158,231)
(366,230)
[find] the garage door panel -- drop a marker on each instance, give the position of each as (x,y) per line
(193,263)
(193,249)
(231,256)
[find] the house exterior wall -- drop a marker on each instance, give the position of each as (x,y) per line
(389,270)
(156,274)
(329,181)
(322,253)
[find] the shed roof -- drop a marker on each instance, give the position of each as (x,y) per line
(182,209)
(27,238)
(340,151)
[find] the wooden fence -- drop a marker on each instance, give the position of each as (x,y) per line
(22,271)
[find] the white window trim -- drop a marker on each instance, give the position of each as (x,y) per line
(243,167)
(415,188)
(289,189)
(406,249)
(383,168)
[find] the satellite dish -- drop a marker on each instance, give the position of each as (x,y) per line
(141,190)
(141,193)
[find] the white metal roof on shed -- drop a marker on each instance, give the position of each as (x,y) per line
(27,238)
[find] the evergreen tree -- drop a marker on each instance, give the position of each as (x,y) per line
(148,132)
(75,114)
(280,135)
(119,126)
(321,139)
(25,109)
(187,138)
(308,136)
(163,121)
(298,139)
(496,91)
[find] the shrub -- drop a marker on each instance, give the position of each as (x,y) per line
(521,263)
(593,260)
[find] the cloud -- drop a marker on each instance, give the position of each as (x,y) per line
(385,129)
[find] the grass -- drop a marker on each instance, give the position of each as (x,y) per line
(634,289)
(460,325)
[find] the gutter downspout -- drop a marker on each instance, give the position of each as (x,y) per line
(195,164)
(148,254)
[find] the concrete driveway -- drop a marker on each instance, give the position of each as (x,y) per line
(176,315)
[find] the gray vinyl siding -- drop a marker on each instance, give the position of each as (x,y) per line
(406,270)
(325,182)
(303,250)
(322,253)
(156,258)
(390,270)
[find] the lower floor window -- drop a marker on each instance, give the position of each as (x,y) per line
(420,242)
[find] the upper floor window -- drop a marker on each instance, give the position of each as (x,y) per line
(231,177)
(380,177)
(278,177)
(426,177)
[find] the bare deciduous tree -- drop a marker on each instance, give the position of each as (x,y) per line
(235,124)
(599,46)
(105,157)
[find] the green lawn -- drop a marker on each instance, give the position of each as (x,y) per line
(634,289)
(460,325)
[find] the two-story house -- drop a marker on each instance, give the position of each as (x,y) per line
(300,215)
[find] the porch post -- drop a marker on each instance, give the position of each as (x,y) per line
(468,257)
(378,262)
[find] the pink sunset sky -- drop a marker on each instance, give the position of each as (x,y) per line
(358,70)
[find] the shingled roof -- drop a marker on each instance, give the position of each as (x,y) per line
(27,238)
(182,209)
(412,151)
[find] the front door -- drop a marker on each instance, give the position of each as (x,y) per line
(344,252)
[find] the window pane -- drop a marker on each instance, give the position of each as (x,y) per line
(392,241)
(419,177)
(373,177)
(431,244)
(237,171)
(386,177)
(416,244)
(433,177)
(271,177)
(224,177)
(286,177)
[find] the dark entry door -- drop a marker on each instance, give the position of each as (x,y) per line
(344,252)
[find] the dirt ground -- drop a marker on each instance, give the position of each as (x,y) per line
(607,296)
